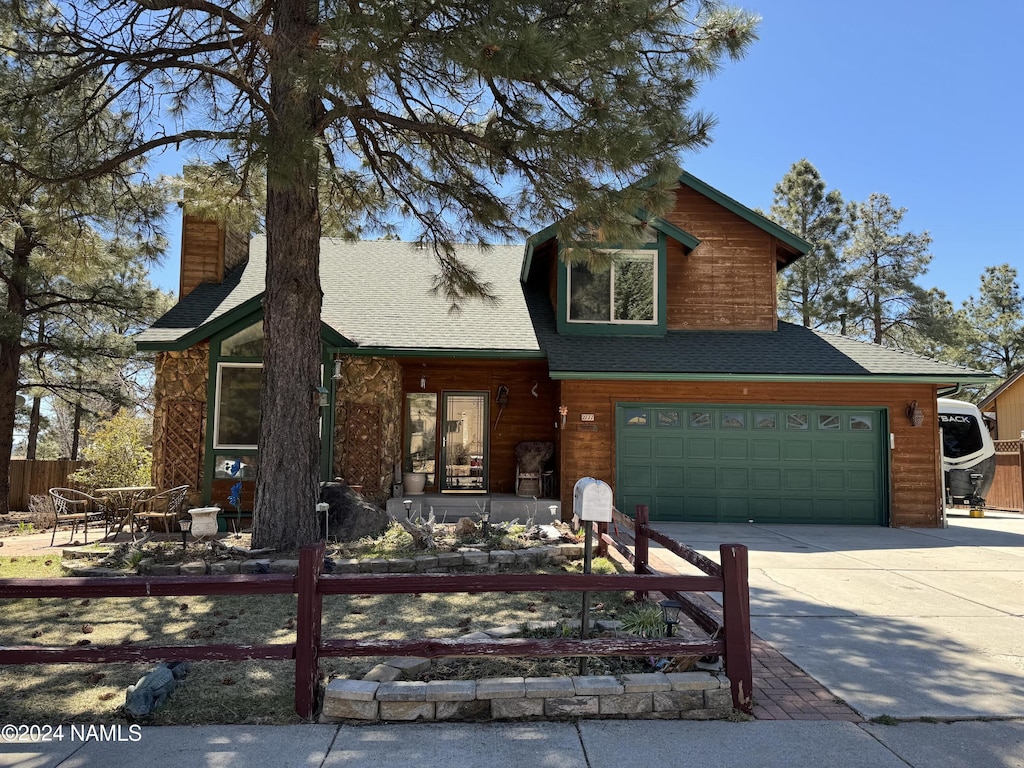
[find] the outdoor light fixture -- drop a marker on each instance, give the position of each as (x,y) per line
(563,411)
(670,615)
(423,382)
(914,414)
(408,507)
(184,525)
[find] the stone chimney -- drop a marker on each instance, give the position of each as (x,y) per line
(208,252)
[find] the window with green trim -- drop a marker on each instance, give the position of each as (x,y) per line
(248,342)
(625,293)
(237,408)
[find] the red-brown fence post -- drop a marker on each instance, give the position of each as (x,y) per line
(640,547)
(602,545)
(736,614)
(307,629)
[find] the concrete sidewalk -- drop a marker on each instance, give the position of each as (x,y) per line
(587,744)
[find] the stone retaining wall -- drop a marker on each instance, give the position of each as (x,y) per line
(653,695)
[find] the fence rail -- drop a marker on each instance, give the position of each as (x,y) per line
(311,585)
(37,477)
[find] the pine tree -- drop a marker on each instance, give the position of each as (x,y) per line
(469,120)
(69,252)
(884,262)
(995,323)
(812,289)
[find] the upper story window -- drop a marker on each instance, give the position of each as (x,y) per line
(248,342)
(626,293)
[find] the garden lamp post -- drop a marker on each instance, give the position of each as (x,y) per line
(185,525)
(407,503)
(670,615)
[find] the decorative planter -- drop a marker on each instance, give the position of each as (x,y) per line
(413,482)
(204,521)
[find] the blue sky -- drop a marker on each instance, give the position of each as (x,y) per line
(918,100)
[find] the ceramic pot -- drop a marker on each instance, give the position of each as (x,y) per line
(413,482)
(204,521)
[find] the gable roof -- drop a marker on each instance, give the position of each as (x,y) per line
(376,297)
(798,245)
(791,353)
(1010,381)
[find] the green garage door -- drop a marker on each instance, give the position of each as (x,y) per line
(766,464)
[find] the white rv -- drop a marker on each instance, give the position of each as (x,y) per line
(968,454)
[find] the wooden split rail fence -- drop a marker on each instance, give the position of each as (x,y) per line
(311,584)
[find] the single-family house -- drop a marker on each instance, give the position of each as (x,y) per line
(669,376)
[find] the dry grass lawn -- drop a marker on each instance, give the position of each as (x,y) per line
(224,692)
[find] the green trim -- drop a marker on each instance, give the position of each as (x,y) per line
(797,243)
(668,228)
(209,329)
(468,354)
(565,327)
(766,377)
(327,419)
(532,242)
(239,314)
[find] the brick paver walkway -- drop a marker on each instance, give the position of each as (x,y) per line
(782,691)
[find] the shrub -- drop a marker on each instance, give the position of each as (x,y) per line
(118,453)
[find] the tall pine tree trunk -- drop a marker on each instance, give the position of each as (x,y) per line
(33,428)
(287,486)
(76,431)
(10,361)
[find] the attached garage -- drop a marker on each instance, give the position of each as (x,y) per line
(699,462)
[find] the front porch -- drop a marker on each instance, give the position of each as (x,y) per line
(499,507)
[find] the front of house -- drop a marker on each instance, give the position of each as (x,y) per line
(669,376)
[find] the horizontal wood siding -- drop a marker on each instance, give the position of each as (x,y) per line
(525,418)
(588,448)
(202,253)
(728,281)
(1010,412)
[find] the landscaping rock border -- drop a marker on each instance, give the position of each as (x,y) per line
(467,559)
(383,696)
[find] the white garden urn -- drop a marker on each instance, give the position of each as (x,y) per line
(204,521)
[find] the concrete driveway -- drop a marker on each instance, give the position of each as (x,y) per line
(909,623)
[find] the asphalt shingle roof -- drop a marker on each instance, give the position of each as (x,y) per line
(377,294)
(791,351)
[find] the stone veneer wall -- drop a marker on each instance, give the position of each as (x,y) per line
(181,378)
(369,381)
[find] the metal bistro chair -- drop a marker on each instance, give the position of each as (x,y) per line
(71,506)
(167,507)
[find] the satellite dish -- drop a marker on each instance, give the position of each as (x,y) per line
(20,400)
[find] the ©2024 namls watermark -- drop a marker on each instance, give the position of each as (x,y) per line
(11,733)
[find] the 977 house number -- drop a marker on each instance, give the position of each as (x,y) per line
(11,733)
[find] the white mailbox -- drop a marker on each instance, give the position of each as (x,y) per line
(592,500)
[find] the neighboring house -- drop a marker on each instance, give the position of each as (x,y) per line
(1007,403)
(670,377)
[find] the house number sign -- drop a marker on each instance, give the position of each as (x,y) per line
(586,417)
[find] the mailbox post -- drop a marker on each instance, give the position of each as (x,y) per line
(591,503)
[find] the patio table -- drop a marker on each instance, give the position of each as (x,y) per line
(122,503)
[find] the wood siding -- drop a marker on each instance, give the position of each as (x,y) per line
(525,418)
(588,449)
(202,253)
(1009,408)
(728,281)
